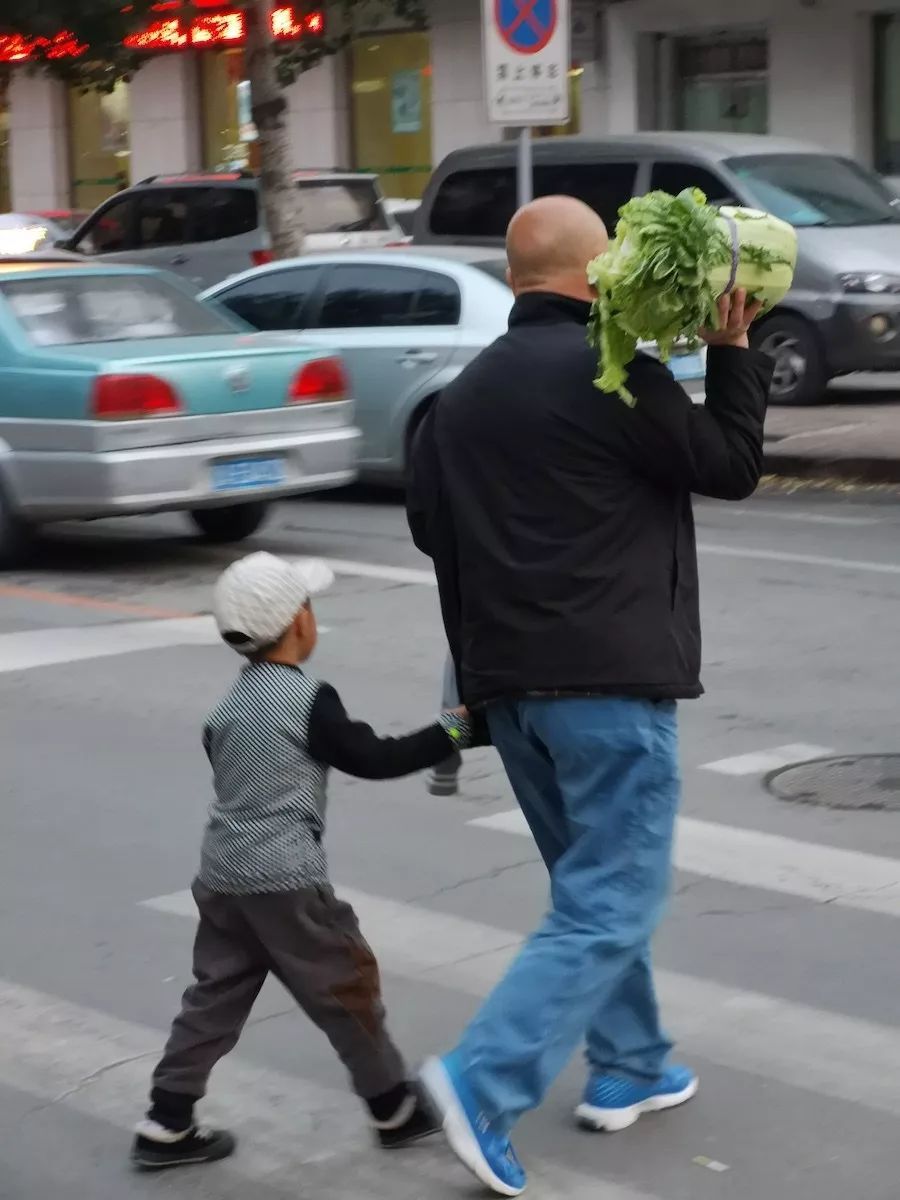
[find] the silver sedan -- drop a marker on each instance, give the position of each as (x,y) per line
(405,322)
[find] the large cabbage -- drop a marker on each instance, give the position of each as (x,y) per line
(670,261)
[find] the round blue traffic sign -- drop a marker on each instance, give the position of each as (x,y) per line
(526,25)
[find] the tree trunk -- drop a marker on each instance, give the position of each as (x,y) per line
(278,195)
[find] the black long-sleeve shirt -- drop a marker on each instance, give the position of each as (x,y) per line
(356,749)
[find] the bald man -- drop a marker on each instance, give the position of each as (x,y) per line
(560,524)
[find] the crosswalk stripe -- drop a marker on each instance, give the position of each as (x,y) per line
(796,1044)
(750,858)
(761,761)
(390,574)
(67,1055)
(30,648)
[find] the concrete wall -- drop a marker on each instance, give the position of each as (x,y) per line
(319,116)
(38,138)
(165,127)
(820,62)
(459,108)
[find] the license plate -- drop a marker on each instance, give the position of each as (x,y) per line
(687,366)
(242,474)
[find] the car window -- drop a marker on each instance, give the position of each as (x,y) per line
(274,300)
(112,230)
(674,177)
(816,189)
(480,203)
(605,186)
(475,203)
(75,308)
(222,212)
(369,296)
(340,206)
(162,217)
(438,300)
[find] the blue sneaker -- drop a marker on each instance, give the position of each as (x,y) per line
(612,1102)
(488,1155)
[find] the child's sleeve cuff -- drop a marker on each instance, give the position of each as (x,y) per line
(458,729)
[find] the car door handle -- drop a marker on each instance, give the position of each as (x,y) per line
(179,260)
(412,357)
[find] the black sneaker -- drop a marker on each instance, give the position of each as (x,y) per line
(415,1119)
(154,1147)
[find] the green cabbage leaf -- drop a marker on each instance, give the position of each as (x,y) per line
(671,259)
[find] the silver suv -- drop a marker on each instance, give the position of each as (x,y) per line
(208,227)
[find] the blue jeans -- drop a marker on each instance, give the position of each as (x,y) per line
(598,782)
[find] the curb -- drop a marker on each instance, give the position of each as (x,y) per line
(860,469)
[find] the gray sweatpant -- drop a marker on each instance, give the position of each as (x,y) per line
(311,942)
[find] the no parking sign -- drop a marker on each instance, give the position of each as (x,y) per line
(526,59)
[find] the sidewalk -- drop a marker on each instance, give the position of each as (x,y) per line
(858,441)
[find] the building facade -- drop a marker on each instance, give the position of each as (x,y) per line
(398,100)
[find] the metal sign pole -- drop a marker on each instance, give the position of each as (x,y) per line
(526,170)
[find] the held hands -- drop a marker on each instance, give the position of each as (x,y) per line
(735,318)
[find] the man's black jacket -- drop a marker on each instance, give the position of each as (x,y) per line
(559,519)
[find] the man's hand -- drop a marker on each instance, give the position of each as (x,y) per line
(735,318)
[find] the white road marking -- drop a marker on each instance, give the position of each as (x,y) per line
(765,513)
(425,576)
(28,649)
(74,1057)
(741,1030)
(748,858)
(382,571)
(800,560)
(762,761)
(31,648)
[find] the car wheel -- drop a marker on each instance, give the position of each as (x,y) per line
(801,375)
(231,524)
(16,536)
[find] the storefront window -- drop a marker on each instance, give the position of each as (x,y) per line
(391,91)
(722,84)
(887,94)
(228,134)
(5,196)
(98,137)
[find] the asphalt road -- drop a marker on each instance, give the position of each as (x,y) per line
(779,963)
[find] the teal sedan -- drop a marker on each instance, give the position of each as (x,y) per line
(120,393)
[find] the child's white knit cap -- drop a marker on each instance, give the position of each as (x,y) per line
(257,597)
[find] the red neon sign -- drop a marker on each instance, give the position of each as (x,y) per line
(207,30)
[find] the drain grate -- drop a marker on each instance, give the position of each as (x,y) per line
(860,781)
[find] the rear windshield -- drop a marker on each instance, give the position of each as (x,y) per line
(68,310)
(344,206)
(816,190)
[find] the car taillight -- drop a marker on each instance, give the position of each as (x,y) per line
(130,397)
(261,258)
(321,381)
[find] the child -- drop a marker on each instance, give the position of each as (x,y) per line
(263,893)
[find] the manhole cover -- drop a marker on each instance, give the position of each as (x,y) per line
(859,781)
